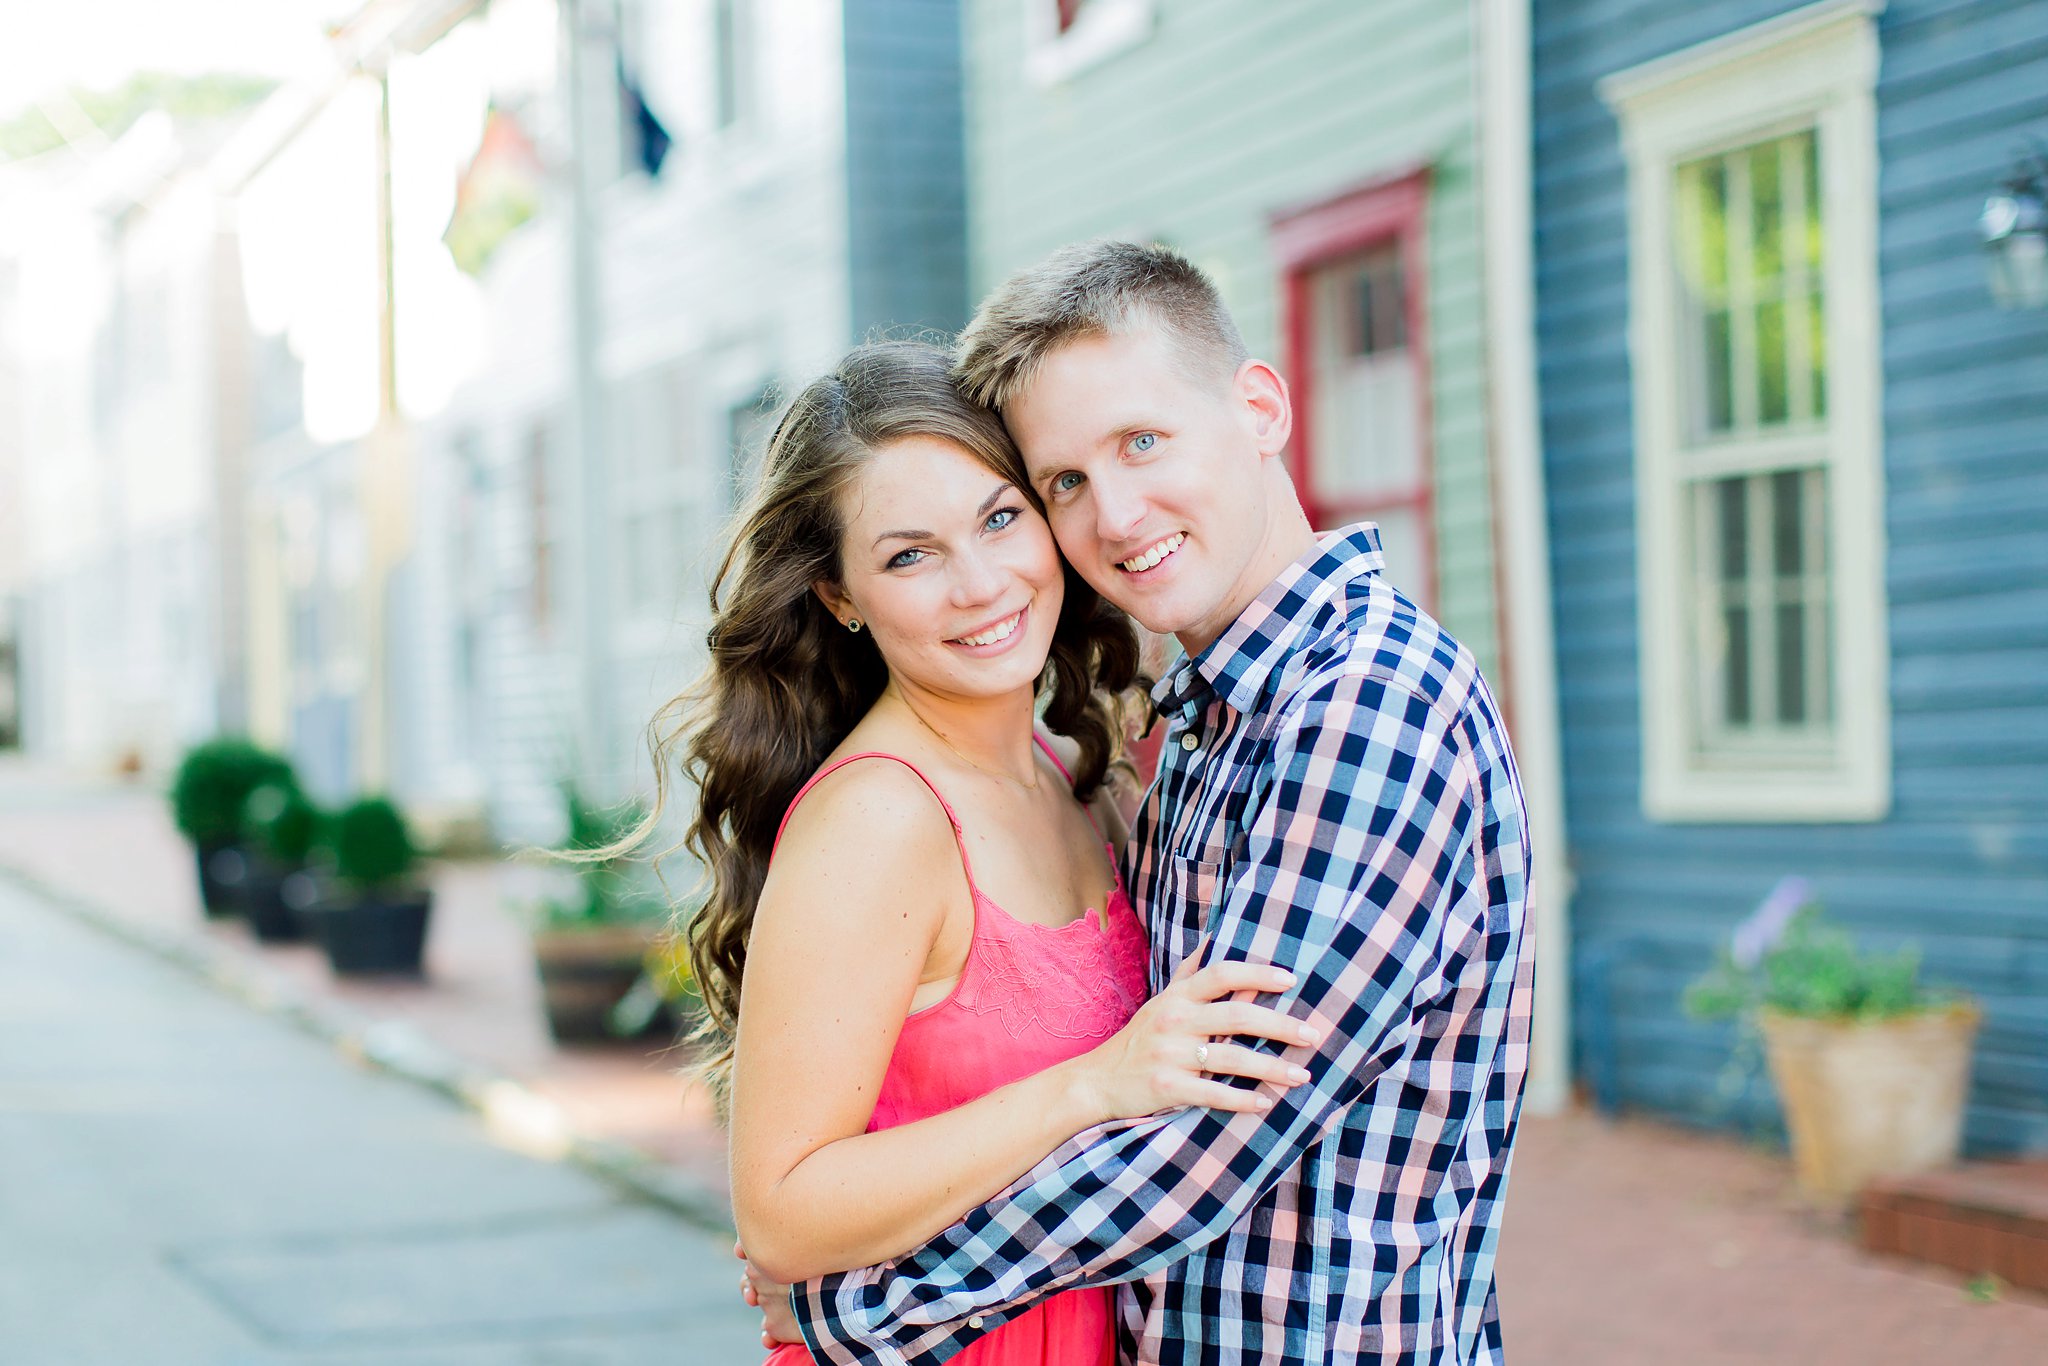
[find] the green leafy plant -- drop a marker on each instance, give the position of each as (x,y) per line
(213,782)
(371,846)
(1787,957)
(282,822)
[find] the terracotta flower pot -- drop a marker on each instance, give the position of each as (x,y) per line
(586,972)
(1864,1099)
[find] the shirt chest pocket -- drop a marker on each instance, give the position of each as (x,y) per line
(1192,888)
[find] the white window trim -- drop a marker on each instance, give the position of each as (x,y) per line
(1102,30)
(1817,67)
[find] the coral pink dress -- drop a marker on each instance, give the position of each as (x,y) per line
(1029,996)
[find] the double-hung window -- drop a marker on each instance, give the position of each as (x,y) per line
(1756,383)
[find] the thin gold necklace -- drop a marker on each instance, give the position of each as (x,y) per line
(1031,786)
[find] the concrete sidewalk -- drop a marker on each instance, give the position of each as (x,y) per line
(186,1180)
(1625,1243)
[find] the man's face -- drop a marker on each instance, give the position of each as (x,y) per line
(1154,479)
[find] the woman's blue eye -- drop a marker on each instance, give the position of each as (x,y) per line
(1144,441)
(1001,518)
(905,559)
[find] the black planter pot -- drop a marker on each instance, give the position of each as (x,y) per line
(378,932)
(223,870)
(275,897)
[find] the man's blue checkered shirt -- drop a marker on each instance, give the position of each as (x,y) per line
(1348,810)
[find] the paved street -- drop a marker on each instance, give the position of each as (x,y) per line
(186,1180)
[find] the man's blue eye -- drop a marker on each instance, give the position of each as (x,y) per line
(1144,441)
(1001,518)
(1063,483)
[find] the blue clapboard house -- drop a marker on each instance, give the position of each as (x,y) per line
(1797,461)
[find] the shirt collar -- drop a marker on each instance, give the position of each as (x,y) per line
(1238,663)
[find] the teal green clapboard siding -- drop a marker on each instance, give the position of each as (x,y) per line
(1225,115)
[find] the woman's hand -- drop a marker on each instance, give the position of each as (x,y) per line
(778,1319)
(1164,1058)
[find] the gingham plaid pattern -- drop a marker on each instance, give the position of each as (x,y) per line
(1349,810)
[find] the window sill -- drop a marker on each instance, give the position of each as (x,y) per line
(1763,796)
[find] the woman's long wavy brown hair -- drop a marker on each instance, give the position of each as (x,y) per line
(786,682)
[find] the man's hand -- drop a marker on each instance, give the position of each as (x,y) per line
(778,1320)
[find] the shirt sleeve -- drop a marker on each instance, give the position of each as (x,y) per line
(1357,873)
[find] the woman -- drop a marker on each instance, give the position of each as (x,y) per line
(915,935)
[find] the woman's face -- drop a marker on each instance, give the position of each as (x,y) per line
(950,567)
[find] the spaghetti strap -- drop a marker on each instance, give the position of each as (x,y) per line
(1086,809)
(952,817)
(1053,755)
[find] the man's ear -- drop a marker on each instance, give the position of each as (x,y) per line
(1266,405)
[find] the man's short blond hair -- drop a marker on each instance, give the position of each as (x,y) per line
(1094,289)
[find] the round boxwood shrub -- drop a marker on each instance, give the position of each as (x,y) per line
(215,780)
(281,821)
(371,845)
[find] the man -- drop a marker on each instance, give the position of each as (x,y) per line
(1336,796)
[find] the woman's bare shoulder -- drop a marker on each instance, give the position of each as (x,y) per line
(871,823)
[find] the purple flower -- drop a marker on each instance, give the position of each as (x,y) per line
(1758,934)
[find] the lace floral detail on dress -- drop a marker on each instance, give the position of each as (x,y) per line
(1079,981)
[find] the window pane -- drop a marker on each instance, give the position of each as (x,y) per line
(1720,381)
(1364,437)
(1734,531)
(1749,249)
(1735,670)
(1703,198)
(1766,218)
(1374,313)
(1361,315)
(1763,616)
(1772,401)
(1390,323)
(1787,543)
(1791,663)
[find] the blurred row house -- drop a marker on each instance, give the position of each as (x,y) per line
(1798,473)
(394,420)
(733,193)
(125,411)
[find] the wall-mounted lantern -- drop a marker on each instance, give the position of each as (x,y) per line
(2015,228)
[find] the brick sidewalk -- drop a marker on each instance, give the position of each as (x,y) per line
(1626,1244)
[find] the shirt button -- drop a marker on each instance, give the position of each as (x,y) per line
(1189,740)
(974,1321)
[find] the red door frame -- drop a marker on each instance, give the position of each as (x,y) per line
(1392,210)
